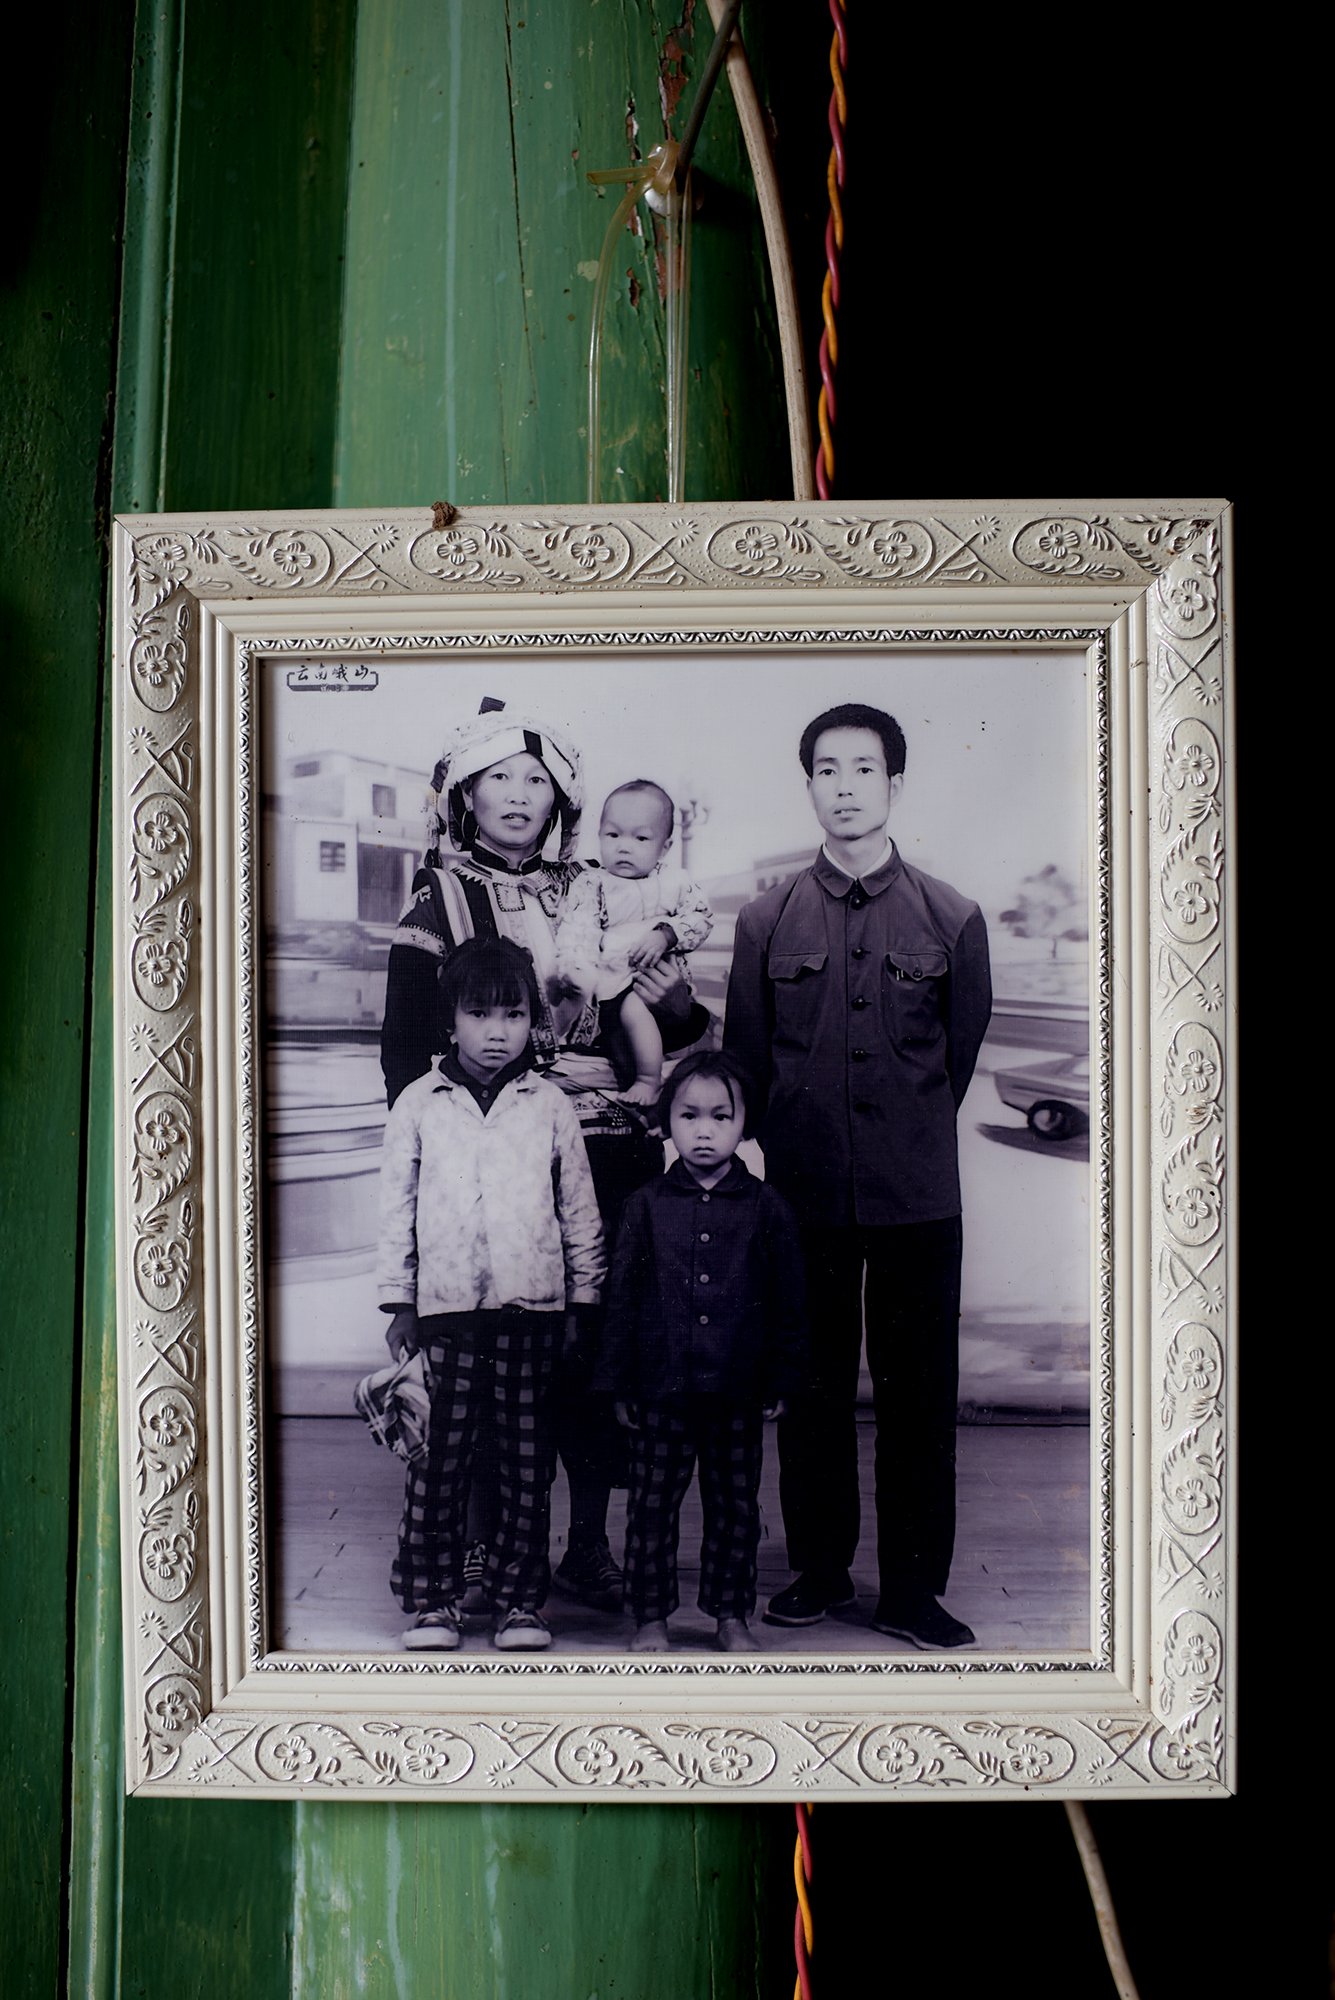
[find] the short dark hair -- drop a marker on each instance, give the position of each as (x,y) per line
(644,785)
(489,972)
(718,1063)
(856,715)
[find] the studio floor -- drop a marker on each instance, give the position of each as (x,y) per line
(1021,1573)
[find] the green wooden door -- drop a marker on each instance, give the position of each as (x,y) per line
(304,256)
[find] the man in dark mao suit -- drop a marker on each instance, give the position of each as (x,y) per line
(859,996)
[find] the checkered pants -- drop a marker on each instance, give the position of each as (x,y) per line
(728,1439)
(498,1365)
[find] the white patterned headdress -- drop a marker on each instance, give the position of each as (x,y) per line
(487,738)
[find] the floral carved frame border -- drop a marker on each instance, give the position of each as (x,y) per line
(1144,589)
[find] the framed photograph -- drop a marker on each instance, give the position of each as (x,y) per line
(674,1095)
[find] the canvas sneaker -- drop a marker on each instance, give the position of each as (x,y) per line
(435,1631)
(475,1602)
(592,1576)
(521,1632)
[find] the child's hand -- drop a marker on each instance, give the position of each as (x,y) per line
(652,948)
(570,1337)
(401,1336)
(778,1408)
(626,1415)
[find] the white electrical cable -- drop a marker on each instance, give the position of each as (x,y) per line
(1101,1897)
(752,121)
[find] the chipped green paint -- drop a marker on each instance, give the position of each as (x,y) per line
(518,1902)
(473,240)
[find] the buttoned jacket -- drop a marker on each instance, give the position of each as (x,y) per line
(706,1294)
(860,1008)
(480,1212)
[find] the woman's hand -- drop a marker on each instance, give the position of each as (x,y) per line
(401,1335)
(626,1415)
(570,1336)
(663,990)
(778,1408)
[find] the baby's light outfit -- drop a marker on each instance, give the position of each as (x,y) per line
(606,915)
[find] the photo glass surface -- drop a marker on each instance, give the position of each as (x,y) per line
(995,803)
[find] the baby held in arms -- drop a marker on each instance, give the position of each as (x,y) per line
(625,916)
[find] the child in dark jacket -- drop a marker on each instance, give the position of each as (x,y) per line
(705,1336)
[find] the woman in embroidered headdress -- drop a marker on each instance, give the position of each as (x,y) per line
(507,796)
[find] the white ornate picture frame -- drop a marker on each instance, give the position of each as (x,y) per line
(1143,591)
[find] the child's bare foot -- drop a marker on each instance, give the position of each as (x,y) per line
(643,1091)
(735,1636)
(651,1637)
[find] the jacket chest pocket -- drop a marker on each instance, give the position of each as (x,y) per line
(915,990)
(796,978)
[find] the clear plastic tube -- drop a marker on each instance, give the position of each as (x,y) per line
(679,204)
(600,288)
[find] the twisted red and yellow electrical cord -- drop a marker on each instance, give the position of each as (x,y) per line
(834,243)
(803,1930)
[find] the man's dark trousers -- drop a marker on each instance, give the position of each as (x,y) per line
(911,1302)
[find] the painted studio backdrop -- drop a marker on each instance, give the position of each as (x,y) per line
(995,801)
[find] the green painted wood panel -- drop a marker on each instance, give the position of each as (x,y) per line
(97,1764)
(176,1897)
(206,1910)
(226,397)
(254,281)
(208,1897)
(472,241)
(513,1902)
(57,317)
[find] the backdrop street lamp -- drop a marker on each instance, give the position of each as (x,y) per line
(690,814)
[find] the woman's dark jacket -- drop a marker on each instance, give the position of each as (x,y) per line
(707,1293)
(416,1028)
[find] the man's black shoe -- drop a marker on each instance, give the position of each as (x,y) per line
(807,1601)
(923,1622)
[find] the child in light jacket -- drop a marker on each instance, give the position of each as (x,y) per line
(705,1336)
(490,1247)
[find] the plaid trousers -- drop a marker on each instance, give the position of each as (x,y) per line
(727,1437)
(497,1366)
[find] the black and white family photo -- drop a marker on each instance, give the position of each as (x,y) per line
(679,1221)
